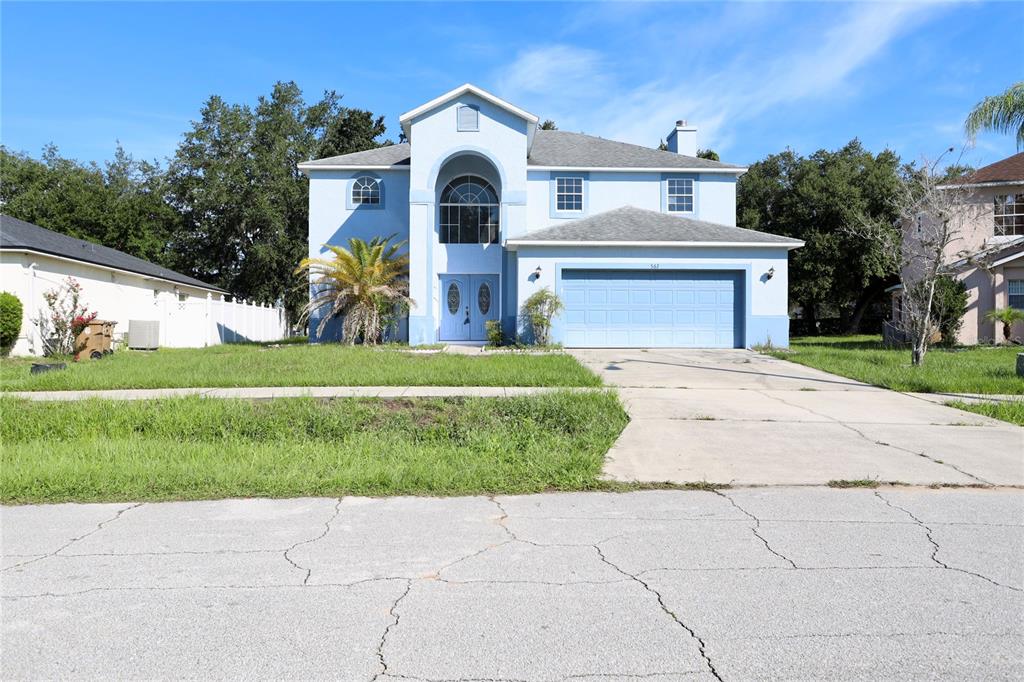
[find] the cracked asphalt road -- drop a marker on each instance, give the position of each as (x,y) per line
(741,584)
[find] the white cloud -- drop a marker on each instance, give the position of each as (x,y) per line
(636,94)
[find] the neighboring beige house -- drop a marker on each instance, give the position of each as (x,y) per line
(989,255)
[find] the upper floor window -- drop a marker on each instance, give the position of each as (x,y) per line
(366,190)
(470,212)
(1016,290)
(468,118)
(569,194)
(1009,214)
(680,195)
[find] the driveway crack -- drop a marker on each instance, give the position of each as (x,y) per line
(877,442)
(935,546)
(327,529)
(756,529)
(99,527)
(701,646)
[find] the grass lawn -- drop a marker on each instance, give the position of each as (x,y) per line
(194,448)
(1008,412)
(982,369)
(298,365)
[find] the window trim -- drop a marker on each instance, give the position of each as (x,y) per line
(1018,215)
(553,210)
(695,179)
(350,185)
(458,118)
(1010,295)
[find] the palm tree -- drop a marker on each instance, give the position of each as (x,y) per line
(364,284)
(1003,113)
(1007,316)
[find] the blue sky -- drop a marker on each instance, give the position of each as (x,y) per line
(754,77)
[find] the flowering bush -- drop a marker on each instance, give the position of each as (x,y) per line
(81,322)
(57,323)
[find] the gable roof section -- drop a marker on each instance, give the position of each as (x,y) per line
(558,149)
(637,226)
(18,235)
(466,88)
(392,156)
(1008,171)
(552,149)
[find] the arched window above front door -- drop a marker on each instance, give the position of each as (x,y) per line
(470,212)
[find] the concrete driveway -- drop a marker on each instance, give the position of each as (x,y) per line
(804,583)
(739,417)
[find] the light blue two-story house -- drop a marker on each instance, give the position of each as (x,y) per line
(640,244)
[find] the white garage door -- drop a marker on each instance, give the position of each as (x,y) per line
(655,308)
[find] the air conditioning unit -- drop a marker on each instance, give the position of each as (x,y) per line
(143,334)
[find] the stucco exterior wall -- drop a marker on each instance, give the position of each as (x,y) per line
(714,195)
(766,300)
(188,317)
(440,151)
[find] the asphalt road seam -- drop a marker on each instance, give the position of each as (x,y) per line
(393,612)
(701,646)
(755,529)
(99,527)
(327,529)
(935,547)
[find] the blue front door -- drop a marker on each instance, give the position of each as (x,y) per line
(467,303)
(666,308)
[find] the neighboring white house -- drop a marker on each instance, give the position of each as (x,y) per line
(121,287)
(640,244)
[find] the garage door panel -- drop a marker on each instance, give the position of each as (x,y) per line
(663,308)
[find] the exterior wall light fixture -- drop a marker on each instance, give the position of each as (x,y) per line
(770,273)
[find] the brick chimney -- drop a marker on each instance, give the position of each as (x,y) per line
(683,139)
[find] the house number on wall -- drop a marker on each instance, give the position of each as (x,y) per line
(654,266)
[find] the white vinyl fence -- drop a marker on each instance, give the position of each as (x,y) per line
(195,322)
(189,316)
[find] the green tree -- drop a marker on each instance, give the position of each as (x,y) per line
(818,199)
(120,204)
(243,203)
(949,305)
(548,124)
(709,154)
(1002,113)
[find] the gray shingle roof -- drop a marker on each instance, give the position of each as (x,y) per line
(18,235)
(391,155)
(631,224)
(557,148)
(564,149)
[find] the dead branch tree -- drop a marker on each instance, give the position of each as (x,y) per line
(931,219)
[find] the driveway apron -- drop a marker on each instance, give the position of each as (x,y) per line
(738,417)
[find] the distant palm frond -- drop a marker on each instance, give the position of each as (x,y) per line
(1002,113)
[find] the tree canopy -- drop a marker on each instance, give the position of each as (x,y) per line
(231,208)
(818,199)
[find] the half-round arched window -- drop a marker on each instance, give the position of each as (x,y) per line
(470,212)
(366,190)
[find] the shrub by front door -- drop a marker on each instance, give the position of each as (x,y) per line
(467,303)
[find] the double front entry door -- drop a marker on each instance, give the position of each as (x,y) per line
(467,303)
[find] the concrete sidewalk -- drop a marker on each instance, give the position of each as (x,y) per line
(271,392)
(747,584)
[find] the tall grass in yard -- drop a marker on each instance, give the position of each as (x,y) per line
(194,448)
(981,369)
(298,365)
